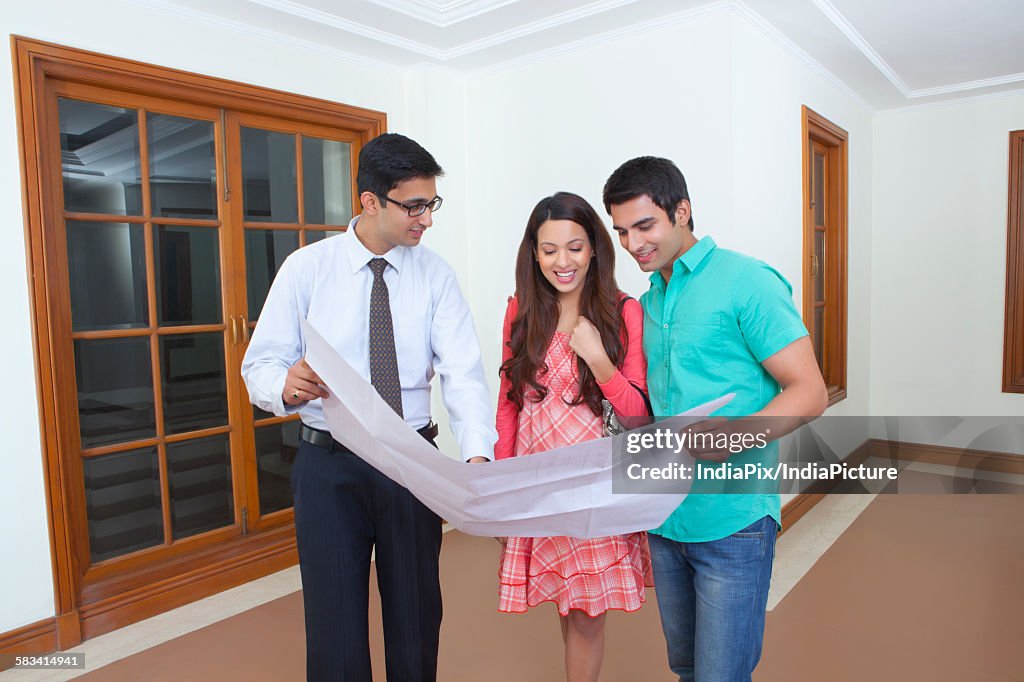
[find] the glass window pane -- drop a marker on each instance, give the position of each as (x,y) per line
(194,387)
(819,254)
(199,478)
(276,446)
(265,250)
(182,167)
(187,275)
(122,502)
(268,175)
(100,157)
(115,390)
(317,235)
(326,181)
(107,276)
(819,189)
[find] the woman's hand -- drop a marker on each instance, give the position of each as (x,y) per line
(586,343)
(586,340)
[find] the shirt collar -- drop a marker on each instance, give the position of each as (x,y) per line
(693,257)
(689,260)
(359,256)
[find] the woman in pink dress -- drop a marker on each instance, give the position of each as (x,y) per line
(571,339)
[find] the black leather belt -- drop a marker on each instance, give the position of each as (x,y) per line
(324,439)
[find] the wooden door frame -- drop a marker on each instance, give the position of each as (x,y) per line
(127,598)
(1013,332)
(817,128)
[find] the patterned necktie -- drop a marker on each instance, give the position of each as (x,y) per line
(383,361)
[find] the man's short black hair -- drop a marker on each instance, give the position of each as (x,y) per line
(389,159)
(658,178)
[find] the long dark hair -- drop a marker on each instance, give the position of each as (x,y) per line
(537,317)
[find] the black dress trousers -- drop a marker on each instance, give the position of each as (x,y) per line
(343,509)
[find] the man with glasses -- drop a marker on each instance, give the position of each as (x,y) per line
(396,314)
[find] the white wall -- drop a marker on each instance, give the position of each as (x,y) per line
(939,259)
(566,122)
(124,30)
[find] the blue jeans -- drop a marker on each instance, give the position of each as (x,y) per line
(712,598)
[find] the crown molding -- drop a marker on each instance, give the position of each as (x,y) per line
(968,85)
(334,21)
(858,41)
(950,103)
(865,48)
(429,51)
(709,9)
(742,10)
(554,20)
(168,7)
(442,14)
(468,8)
(432,68)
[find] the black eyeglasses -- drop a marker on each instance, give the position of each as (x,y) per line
(417,209)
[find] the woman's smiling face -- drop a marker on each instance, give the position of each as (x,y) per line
(563,254)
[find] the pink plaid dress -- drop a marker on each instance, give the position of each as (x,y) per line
(591,575)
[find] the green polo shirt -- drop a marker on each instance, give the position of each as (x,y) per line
(706,334)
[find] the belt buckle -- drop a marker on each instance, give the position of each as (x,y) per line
(429,431)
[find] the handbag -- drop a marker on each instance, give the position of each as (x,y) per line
(610,423)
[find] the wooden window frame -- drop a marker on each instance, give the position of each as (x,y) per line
(148,590)
(817,128)
(1013,340)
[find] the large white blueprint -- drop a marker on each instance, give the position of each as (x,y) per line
(566,491)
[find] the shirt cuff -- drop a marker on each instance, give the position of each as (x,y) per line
(476,445)
(280,407)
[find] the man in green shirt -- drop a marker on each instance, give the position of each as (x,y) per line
(715,322)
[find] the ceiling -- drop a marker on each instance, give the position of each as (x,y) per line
(891,54)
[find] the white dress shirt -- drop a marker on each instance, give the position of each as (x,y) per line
(329,283)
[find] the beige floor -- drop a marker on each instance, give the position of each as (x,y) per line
(941,562)
(920,587)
